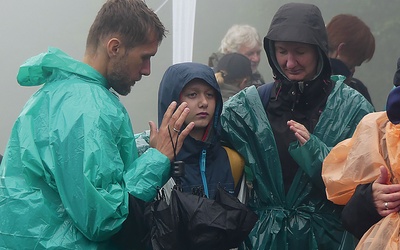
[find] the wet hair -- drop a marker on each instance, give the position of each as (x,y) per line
(354,33)
(237,36)
(130,20)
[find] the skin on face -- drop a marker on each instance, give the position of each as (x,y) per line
(253,53)
(298,61)
(128,66)
(201,99)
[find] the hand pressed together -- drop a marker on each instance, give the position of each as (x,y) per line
(299,131)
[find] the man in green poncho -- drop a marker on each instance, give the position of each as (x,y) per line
(285,129)
(71,175)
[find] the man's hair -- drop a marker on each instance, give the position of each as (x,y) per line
(130,20)
(354,33)
(237,36)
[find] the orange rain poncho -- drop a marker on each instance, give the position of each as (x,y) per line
(356,161)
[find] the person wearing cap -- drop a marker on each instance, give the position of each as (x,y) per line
(232,73)
(243,39)
(285,129)
(365,177)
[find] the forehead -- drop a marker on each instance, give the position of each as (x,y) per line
(197,84)
(246,48)
(293,45)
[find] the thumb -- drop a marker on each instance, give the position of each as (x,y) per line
(153,134)
(384,176)
(153,127)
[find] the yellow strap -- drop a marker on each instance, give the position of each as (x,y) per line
(237,164)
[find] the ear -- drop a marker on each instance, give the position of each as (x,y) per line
(113,47)
(243,83)
(340,49)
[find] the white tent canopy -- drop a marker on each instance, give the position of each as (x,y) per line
(183,18)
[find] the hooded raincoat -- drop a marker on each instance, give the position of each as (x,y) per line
(288,192)
(206,161)
(71,161)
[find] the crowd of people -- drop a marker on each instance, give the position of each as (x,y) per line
(75,176)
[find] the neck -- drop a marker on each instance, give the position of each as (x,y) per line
(197,133)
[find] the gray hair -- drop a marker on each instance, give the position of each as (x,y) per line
(237,36)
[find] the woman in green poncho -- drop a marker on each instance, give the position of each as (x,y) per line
(286,128)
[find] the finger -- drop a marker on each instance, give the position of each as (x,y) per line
(168,114)
(179,117)
(384,175)
(153,127)
(300,138)
(153,134)
(185,133)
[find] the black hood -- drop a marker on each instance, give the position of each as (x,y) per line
(175,79)
(298,22)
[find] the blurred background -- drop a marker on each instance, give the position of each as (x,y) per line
(30,27)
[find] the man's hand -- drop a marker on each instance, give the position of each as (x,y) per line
(160,138)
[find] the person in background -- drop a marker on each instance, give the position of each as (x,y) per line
(351,43)
(232,73)
(285,129)
(71,174)
(243,39)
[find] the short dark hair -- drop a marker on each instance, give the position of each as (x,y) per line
(131,20)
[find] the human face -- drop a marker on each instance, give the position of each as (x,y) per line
(298,61)
(253,53)
(201,99)
(129,65)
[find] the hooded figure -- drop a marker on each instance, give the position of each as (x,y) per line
(206,161)
(285,129)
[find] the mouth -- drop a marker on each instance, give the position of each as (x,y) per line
(202,114)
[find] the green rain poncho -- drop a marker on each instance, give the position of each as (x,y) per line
(71,161)
(303,218)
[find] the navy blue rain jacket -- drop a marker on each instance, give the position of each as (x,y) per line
(208,155)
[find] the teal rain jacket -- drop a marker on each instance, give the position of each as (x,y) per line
(71,161)
(303,218)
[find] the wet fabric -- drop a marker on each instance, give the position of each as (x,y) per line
(303,218)
(354,162)
(71,160)
(190,222)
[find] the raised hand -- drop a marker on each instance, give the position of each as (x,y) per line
(169,133)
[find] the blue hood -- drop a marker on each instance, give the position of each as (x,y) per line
(175,79)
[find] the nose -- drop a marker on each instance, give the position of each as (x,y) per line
(146,68)
(291,61)
(203,102)
(255,58)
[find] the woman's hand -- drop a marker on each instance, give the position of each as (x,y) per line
(386,196)
(299,131)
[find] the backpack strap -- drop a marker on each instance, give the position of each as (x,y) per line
(237,164)
(265,92)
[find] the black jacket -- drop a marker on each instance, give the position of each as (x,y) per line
(294,100)
(360,213)
(339,68)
